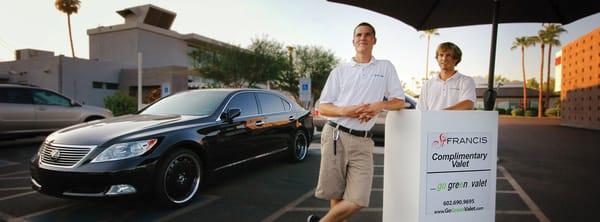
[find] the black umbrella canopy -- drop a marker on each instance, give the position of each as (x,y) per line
(429,14)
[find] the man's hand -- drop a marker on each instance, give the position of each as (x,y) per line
(328,109)
(370,111)
(363,112)
(355,111)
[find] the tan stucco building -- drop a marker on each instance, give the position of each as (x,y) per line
(580,85)
(113,59)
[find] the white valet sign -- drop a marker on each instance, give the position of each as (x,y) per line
(440,166)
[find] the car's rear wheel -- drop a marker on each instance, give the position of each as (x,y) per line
(299,146)
(180,174)
(92,118)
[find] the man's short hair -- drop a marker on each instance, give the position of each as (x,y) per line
(364,24)
(452,47)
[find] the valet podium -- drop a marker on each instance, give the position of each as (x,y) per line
(440,166)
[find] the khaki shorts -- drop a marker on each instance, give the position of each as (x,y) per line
(348,174)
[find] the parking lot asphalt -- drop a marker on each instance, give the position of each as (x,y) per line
(548,179)
(556,165)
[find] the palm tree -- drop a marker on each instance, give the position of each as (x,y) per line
(551,33)
(540,38)
(68,7)
(428,33)
(523,42)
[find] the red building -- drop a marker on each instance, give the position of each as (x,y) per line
(580,85)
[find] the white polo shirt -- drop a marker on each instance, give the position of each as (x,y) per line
(357,83)
(437,94)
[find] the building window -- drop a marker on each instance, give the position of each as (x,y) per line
(113,86)
(97,85)
(105,85)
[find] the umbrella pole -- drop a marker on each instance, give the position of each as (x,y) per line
(489,97)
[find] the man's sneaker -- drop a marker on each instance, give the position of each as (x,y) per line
(312,218)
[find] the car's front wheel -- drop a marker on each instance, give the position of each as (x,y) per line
(179,177)
(299,146)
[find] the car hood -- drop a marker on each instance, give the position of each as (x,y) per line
(97,110)
(100,131)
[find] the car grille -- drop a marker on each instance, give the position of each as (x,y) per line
(63,155)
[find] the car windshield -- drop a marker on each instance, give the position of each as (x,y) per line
(195,103)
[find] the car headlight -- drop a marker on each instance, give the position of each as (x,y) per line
(121,151)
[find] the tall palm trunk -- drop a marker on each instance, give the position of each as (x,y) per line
(548,77)
(524,78)
(540,107)
(427,58)
(70,35)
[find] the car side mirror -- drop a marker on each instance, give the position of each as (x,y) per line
(230,114)
(75,103)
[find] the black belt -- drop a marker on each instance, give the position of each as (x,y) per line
(360,133)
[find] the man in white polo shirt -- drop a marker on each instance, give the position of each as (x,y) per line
(352,96)
(450,90)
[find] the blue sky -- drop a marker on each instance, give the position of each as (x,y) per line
(37,24)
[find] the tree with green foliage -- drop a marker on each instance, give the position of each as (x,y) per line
(120,103)
(523,42)
(533,84)
(230,67)
(269,60)
(315,62)
(68,7)
(549,87)
(428,33)
(500,79)
(551,32)
(266,60)
(540,38)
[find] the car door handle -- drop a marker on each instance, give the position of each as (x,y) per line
(259,123)
(291,118)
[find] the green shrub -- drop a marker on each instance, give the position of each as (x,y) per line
(120,103)
(501,111)
(508,111)
(531,112)
(516,112)
(552,112)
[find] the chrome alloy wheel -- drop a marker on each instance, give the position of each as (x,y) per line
(300,146)
(182,178)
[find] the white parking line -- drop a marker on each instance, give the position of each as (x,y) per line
(16,195)
(13,173)
(15,188)
(38,213)
(528,201)
(288,207)
(209,199)
(14,178)
(5,163)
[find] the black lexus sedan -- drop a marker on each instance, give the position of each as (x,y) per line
(171,145)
